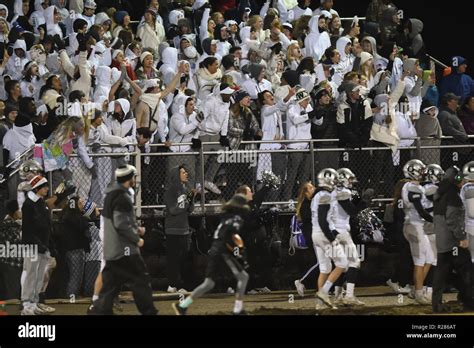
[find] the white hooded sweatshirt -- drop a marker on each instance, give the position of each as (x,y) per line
(347,61)
(17,140)
(51,27)
(316,43)
(37,17)
(183,127)
(16,64)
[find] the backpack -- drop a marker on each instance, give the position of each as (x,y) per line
(297,240)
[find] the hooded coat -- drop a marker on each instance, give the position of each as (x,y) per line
(316,43)
(127,128)
(120,223)
(178,206)
(380,63)
(37,18)
(17,140)
(251,85)
(16,65)
(347,61)
(151,37)
(51,27)
(461,85)
(183,127)
(415,36)
(103,82)
(429,130)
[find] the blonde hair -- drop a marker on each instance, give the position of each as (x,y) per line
(289,54)
(253,20)
(301,197)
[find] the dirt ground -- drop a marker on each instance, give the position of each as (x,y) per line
(378,300)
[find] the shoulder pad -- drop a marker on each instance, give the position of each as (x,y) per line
(431,190)
(468,191)
(415,189)
(325,198)
(343,195)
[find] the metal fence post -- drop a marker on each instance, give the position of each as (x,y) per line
(138,166)
(50,182)
(418,147)
(313,171)
(203,198)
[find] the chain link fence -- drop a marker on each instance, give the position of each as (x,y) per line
(221,171)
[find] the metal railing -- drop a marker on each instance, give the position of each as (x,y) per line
(368,166)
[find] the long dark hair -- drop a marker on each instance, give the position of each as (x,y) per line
(306,64)
(71,212)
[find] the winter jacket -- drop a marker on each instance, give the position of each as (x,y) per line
(467,119)
(417,44)
(316,43)
(17,140)
(183,128)
(151,38)
(179,204)
(451,125)
(324,125)
(242,127)
(120,224)
(461,85)
(448,217)
(16,65)
(216,116)
(74,228)
(355,122)
(298,125)
(36,222)
(272,125)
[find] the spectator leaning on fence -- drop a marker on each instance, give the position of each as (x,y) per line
(299,119)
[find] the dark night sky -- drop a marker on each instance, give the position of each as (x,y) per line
(447,30)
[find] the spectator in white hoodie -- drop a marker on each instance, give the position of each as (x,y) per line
(184,129)
(52,18)
(151,32)
(37,17)
(318,40)
(299,128)
(16,63)
(214,128)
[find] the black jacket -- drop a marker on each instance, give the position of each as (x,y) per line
(328,129)
(36,223)
(448,215)
(355,122)
(178,199)
(74,228)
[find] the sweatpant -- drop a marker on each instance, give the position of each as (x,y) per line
(177,252)
(34,274)
(299,166)
(210,161)
(447,262)
(128,269)
(75,260)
